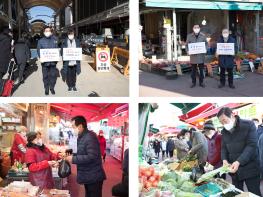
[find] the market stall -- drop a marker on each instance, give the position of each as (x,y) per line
(173,177)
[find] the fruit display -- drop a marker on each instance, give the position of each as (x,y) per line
(149,177)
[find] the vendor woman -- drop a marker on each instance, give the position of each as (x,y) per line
(18,149)
(40,161)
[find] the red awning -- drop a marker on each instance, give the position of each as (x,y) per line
(169,130)
(91,111)
(211,113)
(195,112)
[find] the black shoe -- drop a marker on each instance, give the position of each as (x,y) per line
(46,92)
(52,91)
(202,85)
(75,89)
(192,86)
(221,86)
(232,86)
(69,89)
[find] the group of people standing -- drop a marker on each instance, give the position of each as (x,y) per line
(225,62)
(239,145)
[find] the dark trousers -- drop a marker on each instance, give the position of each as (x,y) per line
(194,73)
(71,76)
(157,154)
(171,153)
(163,153)
(223,75)
(2,75)
(93,190)
(253,184)
(49,76)
(120,190)
(21,67)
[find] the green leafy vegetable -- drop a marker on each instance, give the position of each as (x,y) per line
(209,175)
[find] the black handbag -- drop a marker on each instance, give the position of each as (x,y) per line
(64,169)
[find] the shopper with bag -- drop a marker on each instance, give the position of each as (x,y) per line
(5,55)
(90,170)
(40,161)
(71,68)
(102,141)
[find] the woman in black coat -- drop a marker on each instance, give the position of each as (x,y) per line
(5,55)
(226,62)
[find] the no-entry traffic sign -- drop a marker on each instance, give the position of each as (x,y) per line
(103,59)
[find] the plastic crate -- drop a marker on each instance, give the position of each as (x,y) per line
(208,190)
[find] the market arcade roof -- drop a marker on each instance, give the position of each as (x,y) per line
(53,4)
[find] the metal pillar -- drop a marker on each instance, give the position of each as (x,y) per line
(76,17)
(257,32)
(175,52)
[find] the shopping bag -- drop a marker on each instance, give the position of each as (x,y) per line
(8,84)
(64,169)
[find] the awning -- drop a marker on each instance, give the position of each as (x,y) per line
(185,107)
(202,5)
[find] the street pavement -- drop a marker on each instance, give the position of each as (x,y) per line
(112,84)
(154,85)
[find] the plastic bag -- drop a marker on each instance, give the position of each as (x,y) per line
(64,169)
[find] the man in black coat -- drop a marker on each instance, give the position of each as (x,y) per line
(239,150)
(90,171)
(22,55)
(5,55)
(170,146)
(226,62)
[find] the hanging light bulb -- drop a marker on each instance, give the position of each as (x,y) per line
(204,21)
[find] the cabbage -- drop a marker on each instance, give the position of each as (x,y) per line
(188,186)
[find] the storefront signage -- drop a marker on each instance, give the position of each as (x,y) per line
(196,48)
(49,55)
(71,54)
(225,49)
(103,59)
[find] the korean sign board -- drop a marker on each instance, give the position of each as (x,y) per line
(196,48)
(103,63)
(49,55)
(225,49)
(71,54)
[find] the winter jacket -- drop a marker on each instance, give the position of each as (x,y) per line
(22,52)
(19,144)
(156,146)
(260,147)
(260,130)
(47,43)
(227,61)
(102,141)
(191,38)
(163,145)
(170,145)
(66,63)
(214,150)
(199,146)
(241,145)
(40,173)
(181,148)
(5,55)
(88,159)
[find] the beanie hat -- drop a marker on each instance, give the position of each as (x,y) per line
(209,125)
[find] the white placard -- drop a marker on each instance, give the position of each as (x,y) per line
(196,48)
(225,49)
(49,55)
(71,54)
(103,63)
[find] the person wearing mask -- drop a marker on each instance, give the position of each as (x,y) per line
(258,126)
(181,146)
(18,149)
(163,147)
(49,70)
(197,60)
(214,144)
(170,147)
(22,55)
(5,55)
(157,147)
(102,141)
(40,160)
(90,170)
(227,62)
(239,149)
(122,189)
(199,146)
(71,68)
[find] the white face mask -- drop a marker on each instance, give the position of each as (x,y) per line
(40,142)
(196,30)
(48,34)
(225,35)
(229,126)
(23,134)
(76,131)
(71,37)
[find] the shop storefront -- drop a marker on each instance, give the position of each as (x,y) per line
(53,124)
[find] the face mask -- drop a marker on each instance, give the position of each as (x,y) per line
(40,142)
(71,37)
(23,134)
(76,132)
(47,34)
(196,30)
(229,126)
(225,35)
